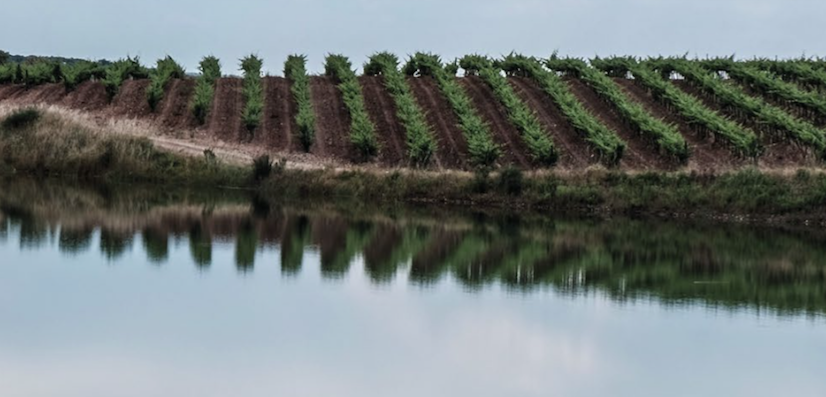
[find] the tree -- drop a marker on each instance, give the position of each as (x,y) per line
(4,57)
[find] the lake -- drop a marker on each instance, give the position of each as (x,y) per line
(131,292)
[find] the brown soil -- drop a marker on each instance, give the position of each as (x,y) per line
(452,146)
(88,96)
(382,111)
(574,151)
(47,94)
(640,152)
(14,92)
(779,152)
(174,111)
(706,153)
(225,117)
(279,129)
(504,133)
(332,121)
(131,101)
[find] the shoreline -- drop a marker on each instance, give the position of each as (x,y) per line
(56,147)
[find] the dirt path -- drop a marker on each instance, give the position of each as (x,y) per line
(225,117)
(452,146)
(706,153)
(779,152)
(382,110)
(640,153)
(574,151)
(278,127)
(174,110)
(332,121)
(504,132)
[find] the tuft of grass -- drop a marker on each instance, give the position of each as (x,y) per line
(210,68)
(295,69)
(421,142)
(20,119)
(261,168)
(166,70)
(253,91)
(362,130)
(511,181)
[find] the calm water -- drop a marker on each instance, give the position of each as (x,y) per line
(157,294)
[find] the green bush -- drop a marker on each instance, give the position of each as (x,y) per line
(421,143)
(511,181)
(166,70)
(210,68)
(253,92)
(484,152)
(261,168)
(362,130)
(80,72)
(20,119)
(295,70)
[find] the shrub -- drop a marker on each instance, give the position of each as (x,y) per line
(511,181)
(210,68)
(295,70)
(253,91)
(82,71)
(20,119)
(166,70)
(261,168)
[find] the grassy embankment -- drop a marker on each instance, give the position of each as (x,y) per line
(44,144)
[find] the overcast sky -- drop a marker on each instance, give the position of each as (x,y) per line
(190,29)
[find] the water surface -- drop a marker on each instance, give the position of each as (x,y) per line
(142,293)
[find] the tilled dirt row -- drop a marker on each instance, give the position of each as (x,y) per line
(279,132)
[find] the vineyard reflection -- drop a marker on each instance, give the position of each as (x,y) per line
(731,267)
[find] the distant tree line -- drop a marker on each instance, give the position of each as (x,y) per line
(6,57)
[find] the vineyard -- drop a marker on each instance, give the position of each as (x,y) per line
(473,113)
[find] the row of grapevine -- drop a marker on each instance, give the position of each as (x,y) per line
(421,143)
(362,130)
(484,152)
(771,86)
(295,69)
(733,97)
(601,138)
(536,138)
(666,136)
(253,91)
(166,70)
(210,68)
(802,73)
(699,116)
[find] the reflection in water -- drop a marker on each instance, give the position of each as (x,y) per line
(730,267)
